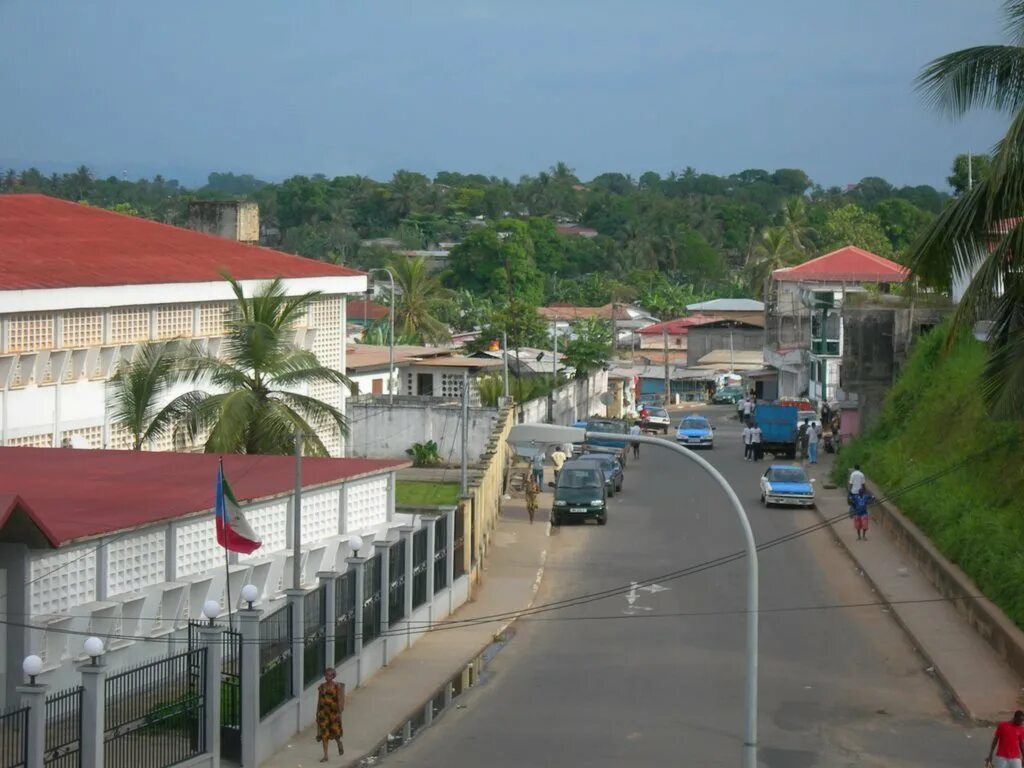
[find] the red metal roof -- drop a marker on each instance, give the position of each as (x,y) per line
(75,493)
(360,308)
(680,325)
(50,243)
(849,264)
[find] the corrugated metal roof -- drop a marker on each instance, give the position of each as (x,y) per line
(50,243)
(849,264)
(727,305)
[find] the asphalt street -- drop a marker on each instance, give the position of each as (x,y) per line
(658,680)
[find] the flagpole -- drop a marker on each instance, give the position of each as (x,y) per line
(227,561)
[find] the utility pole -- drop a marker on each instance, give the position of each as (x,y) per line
(970,171)
(463,469)
(504,358)
(297,515)
(668,384)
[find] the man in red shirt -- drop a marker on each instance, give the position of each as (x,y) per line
(1007,743)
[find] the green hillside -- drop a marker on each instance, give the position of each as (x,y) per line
(954,471)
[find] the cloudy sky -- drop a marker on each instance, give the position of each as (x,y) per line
(278,87)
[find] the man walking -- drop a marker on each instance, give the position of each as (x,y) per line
(755,442)
(538,467)
(558,459)
(1007,743)
(747,435)
(635,430)
(859,512)
(856,481)
(812,443)
(748,409)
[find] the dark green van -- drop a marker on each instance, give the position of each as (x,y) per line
(580,494)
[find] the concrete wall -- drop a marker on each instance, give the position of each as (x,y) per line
(701,341)
(231,219)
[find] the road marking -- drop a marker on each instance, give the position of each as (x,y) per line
(653,588)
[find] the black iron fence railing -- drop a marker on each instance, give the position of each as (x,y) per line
(371,599)
(14,737)
(62,745)
(459,545)
(440,554)
(419,568)
(314,635)
(276,660)
(154,712)
(230,688)
(396,582)
(344,616)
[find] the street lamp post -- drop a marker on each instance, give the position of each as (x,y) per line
(534,434)
(391,335)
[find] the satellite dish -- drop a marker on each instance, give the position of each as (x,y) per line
(605,398)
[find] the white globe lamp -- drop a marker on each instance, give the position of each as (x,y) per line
(32,666)
(93,647)
(250,594)
(211,610)
(355,543)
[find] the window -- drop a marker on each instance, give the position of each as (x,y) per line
(377,386)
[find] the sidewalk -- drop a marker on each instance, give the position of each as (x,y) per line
(509,583)
(981,683)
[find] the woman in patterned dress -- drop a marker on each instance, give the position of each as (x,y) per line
(329,703)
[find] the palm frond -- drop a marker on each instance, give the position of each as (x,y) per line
(231,415)
(313,410)
(990,76)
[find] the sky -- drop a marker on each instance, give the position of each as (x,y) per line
(281,87)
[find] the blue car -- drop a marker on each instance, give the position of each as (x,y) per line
(786,484)
(696,432)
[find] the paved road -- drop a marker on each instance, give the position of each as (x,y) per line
(591,685)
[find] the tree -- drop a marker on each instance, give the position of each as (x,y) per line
(852,225)
(968,172)
(254,404)
(139,388)
(798,227)
(590,346)
(418,293)
(901,221)
(775,250)
(980,237)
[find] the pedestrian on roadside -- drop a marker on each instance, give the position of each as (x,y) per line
(558,459)
(755,442)
(532,492)
(748,409)
(1007,743)
(538,467)
(859,512)
(748,433)
(635,430)
(855,481)
(812,443)
(330,701)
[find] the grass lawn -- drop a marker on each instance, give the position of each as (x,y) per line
(425,493)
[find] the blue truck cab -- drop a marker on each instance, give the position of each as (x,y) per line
(779,428)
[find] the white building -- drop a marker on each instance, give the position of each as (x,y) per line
(126,549)
(82,287)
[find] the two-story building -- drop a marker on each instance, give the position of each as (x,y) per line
(81,288)
(803,320)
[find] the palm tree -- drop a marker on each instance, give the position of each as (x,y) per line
(255,405)
(794,219)
(419,292)
(980,237)
(775,251)
(137,388)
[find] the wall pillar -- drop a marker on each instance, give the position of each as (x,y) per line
(328,580)
(296,598)
(449,563)
(34,697)
(94,679)
(249,627)
(383,548)
(406,532)
(213,641)
(355,564)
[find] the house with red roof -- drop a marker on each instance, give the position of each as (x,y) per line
(671,336)
(803,322)
(81,288)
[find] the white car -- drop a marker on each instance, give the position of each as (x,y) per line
(657,419)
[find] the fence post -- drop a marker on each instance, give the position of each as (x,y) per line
(449,564)
(296,598)
(429,523)
(94,703)
(328,579)
(249,647)
(34,697)
(355,564)
(383,548)
(406,532)
(213,643)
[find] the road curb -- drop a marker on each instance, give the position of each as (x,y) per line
(382,744)
(919,648)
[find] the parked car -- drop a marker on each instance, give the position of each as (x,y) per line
(731,394)
(786,484)
(696,432)
(580,493)
(612,469)
(657,420)
(612,445)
